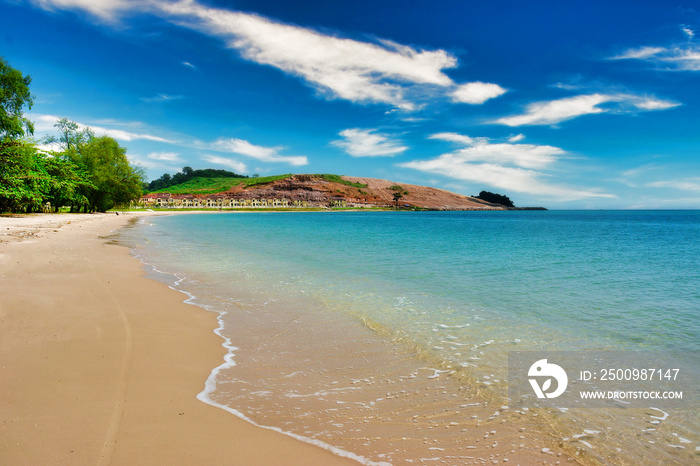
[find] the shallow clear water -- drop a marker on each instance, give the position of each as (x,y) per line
(446,295)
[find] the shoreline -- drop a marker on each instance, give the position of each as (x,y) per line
(102,365)
(89,377)
(332,353)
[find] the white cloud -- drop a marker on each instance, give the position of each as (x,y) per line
(555,111)
(688,184)
(46,124)
(504,178)
(238,167)
(453,137)
(165,156)
(510,167)
(265,154)
(127,136)
(516,138)
(365,143)
(189,65)
(339,67)
(681,57)
(106,10)
(49,148)
(520,155)
(477,92)
(43,123)
(362,72)
(652,103)
(689,33)
(640,53)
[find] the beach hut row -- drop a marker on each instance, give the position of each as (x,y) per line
(219,201)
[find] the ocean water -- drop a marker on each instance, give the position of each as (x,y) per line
(384,336)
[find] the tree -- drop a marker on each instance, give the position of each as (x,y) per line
(101,163)
(70,135)
(14,95)
(29,179)
(68,184)
(23,179)
(495,198)
(114,180)
(188,173)
(92,173)
(398,193)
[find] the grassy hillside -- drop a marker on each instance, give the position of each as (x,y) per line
(202,186)
(216,185)
(338,179)
(264,179)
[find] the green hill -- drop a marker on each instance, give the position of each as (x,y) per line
(201,185)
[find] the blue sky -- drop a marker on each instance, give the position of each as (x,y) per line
(563,104)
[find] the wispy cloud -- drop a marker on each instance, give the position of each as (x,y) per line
(640,53)
(338,67)
(127,135)
(162,98)
(149,162)
(685,184)
(556,111)
(265,154)
(106,10)
(477,92)
(636,171)
(367,143)
(189,65)
(454,137)
(237,166)
(509,167)
(165,156)
(688,32)
(46,124)
(676,57)
(520,155)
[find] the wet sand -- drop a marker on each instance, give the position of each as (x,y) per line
(99,365)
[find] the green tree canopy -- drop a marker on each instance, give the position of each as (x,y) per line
(14,95)
(114,180)
(107,179)
(23,180)
(188,173)
(495,198)
(68,184)
(29,179)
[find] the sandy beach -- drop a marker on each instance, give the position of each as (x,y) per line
(100,365)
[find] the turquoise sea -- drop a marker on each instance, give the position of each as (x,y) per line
(384,335)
